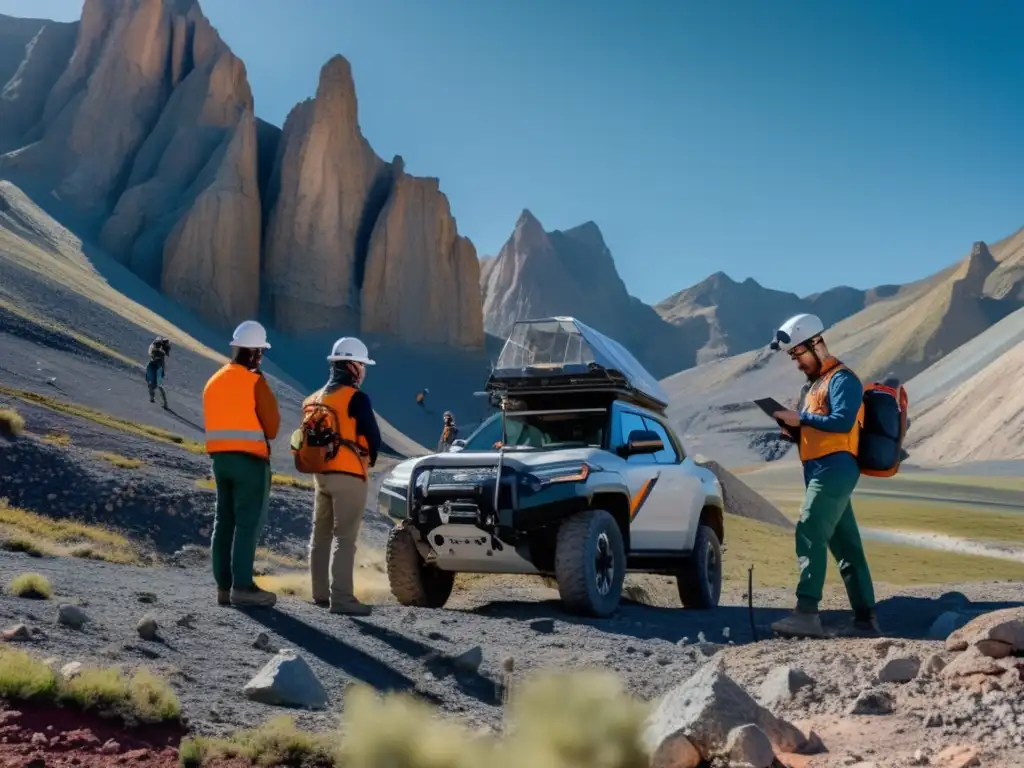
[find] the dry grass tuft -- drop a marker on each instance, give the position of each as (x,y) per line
(290,481)
(140,696)
(11,423)
(65,537)
(206,483)
(59,439)
(33,586)
(117,460)
(583,719)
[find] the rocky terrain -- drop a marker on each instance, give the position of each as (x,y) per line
(144,136)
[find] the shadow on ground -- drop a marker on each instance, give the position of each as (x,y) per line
(902,617)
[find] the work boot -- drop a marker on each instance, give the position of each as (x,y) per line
(223,597)
(351,608)
(322,603)
(252,596)
(863,625)
(799,624)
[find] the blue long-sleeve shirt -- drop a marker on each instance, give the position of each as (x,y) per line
(845,395)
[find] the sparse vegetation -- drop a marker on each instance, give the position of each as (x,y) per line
(11,423)
(21,528)
(59,439)
(141,696)
(25,545)
(771,551)
(104,419)
(33,586)
(583,719)
(290,481)
(117,460)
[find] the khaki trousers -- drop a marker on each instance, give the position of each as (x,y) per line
(337,517)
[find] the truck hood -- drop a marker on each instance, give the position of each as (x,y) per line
(401,472)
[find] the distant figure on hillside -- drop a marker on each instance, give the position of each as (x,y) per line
(159,349)
(449,432)
(421,398)
(241,418)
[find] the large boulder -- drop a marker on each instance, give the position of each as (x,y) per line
(996,634)
(706,708)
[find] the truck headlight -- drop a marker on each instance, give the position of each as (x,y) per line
(576,472)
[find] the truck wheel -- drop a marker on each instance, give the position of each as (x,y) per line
(590,563)
(700,578)
(412,581)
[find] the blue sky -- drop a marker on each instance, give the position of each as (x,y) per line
(799,142)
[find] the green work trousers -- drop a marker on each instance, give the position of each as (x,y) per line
(243,497)
(827,524)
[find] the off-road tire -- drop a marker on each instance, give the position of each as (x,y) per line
(700,578)
(576,568)
(412,581)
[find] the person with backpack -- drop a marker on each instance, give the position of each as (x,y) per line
(159,350)
(338,442)
(827,428)
(241,418)
(449,432)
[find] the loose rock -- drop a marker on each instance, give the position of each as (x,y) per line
(469,661)
(18,634)
(288,681)
(676,752)
(71,615)
(873,703)
(748,745)
(71,669)
(945,625)
(147,628)
(781,684)
(900,669)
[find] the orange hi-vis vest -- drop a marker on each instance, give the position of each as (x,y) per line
(353,456)
(229,413)
(815,443)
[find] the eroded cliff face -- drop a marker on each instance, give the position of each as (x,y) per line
(323,187)
(145,130)
(422,278)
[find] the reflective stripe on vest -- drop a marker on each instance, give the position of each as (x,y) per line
(816,443)
(229,413)
(346,460)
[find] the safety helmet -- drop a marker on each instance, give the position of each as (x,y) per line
(250,335)
(448,415)
(350,349)
(797,330)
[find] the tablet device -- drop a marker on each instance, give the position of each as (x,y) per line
(770,406)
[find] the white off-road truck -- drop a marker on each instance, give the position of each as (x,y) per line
(578,476)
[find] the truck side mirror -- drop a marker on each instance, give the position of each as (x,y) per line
(641,441)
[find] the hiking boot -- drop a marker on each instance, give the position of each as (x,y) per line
(223,597)
(252,596)
(863,626)
(322,603)
(352,608)
(799,624)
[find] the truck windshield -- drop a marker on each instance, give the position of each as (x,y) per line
(541,431)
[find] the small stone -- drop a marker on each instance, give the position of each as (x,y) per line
(111,747)
(873,703)
(71,615)
(900,669)
(508,665)
(676,752)
(262,643)
(71,669)
(781,684)
(40,740)
(287,680)
(958,757)
(934,720)
(188,621)
(147,628)
(470,660)
(748,745)
(994,649)
(934,664)
(725,632)
(543,626)
(17,634)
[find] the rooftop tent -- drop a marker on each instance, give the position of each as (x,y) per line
(563,353)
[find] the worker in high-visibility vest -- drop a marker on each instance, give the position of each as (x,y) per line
(241,418)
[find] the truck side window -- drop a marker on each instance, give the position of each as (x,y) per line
(630,422)
(669,455)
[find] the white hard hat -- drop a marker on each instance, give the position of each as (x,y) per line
(796,331)
(352,349)
(250,335)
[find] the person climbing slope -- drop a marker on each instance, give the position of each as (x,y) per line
(241,418)
(827,429)
(159,350)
